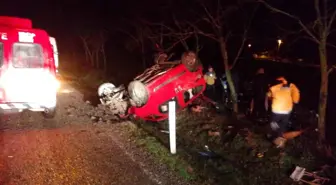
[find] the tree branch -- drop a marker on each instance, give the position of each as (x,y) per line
(318,14)
(244,38)
(331,69)
(212,20)
(198,31)
(129,34)
(181,40)
(240,49)
(331,20)
(328,43)
(306,29)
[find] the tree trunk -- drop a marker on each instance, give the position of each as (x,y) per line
(144,64)
(104,60)
(96,54)
(228,73)
(323,89)
(92,60)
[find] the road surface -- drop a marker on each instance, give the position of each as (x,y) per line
(71,149)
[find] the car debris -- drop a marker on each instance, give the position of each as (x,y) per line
(301,175)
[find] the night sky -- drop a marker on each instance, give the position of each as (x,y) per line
(66,20)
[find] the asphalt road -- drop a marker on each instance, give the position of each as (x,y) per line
(71,149)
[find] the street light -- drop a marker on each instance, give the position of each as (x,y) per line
(249,45)
(279,44)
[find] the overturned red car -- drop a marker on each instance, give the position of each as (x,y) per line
(147,96)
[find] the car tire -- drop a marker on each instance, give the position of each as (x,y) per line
(191,66)
(197,90)
(138,93)
(50,113)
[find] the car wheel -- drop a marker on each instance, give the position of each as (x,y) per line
(49,113)
(105,88)
(138,93)
(190,60)
(197,90)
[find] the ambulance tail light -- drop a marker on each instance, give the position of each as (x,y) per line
(47,82)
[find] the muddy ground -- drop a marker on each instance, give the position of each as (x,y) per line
(74,148)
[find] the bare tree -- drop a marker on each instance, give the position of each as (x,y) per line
(139,37)
(167,37)
(162,38)
(221,33)
(318,33)
(94,46)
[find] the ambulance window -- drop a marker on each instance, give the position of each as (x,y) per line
(27,55)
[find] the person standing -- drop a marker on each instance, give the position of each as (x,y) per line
(283,95)
(259,88)
(210,79)
(225,89)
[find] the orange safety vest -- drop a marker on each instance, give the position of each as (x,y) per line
(283,98)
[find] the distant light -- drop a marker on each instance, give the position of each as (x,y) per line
(280,41)
(249,45)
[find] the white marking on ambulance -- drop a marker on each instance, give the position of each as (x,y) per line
(34,106)
(26,37)
(4,106)
(4,36)
(19,106)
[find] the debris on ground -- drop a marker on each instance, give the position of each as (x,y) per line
(300,174)
(239,147)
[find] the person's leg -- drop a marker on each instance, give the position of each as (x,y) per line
(208,91)
(254,106)
(251,106)
(214,93)
(274,124)
(283,123)
(277,138)
(258,107)
(225,96)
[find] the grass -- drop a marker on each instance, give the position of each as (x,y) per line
(244,155)
(161,153)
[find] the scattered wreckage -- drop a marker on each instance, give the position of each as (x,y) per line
(147,96)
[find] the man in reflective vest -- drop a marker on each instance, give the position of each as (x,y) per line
(210,79)
(283,95)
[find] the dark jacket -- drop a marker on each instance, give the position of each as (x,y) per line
(260,85)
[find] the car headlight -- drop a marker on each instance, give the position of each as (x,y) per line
(138,93)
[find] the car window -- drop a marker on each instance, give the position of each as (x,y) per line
(1,53)
(27,55)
